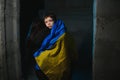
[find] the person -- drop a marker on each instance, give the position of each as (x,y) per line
(56,53)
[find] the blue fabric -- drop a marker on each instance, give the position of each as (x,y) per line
(57,30)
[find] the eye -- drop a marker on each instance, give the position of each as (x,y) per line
(50,20)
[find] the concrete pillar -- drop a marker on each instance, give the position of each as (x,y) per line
(10,63)
(3,65)
(106,65)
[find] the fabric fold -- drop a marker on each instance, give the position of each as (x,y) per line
(54,56)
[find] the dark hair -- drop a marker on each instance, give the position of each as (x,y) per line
(50,14)
(37,32)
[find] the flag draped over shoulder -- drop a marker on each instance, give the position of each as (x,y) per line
(54,55)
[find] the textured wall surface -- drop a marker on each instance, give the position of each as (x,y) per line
(107,41)
(10,66)
(3,65)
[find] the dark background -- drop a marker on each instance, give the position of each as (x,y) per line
(79,21)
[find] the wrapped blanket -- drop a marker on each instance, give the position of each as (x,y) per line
(55,54)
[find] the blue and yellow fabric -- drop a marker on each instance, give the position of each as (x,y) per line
(54,55)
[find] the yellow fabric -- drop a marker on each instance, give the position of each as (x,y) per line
(56,62)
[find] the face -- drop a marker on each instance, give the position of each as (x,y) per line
(49,22)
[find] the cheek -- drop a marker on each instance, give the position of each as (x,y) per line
(52,23)
(47,23)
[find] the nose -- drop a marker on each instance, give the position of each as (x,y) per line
(48,23)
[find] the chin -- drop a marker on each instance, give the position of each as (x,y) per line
(50,27)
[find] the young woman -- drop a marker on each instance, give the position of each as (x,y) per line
(55,55)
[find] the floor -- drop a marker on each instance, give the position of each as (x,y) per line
(77,75)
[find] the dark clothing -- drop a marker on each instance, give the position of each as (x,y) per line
(36,38)
(37,34)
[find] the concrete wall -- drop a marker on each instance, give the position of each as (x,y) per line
(10,65)
(3,65)
(107,41)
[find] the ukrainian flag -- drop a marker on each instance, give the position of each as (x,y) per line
(54,55)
